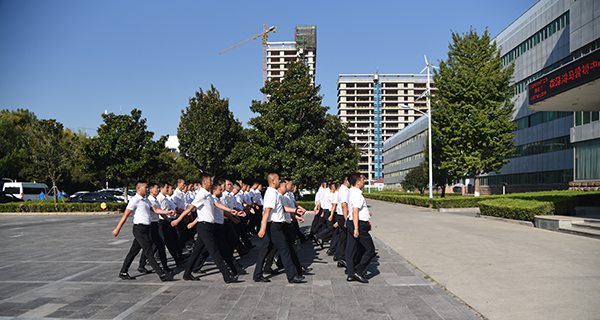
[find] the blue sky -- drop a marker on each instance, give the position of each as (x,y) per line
(71,60)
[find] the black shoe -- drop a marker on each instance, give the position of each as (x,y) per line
(191,278)
(350,278)
(168,270)
(231,279)
(166,275)
(261,279)
(360,277)
(341,264)
(126,276)
(299,279)
(330,253)
(144,270)
(303,240)
(199,271)
(320,242)
(270,271)
(239,268)
(335,258)
(306,269)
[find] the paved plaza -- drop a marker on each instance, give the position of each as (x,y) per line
(66,267)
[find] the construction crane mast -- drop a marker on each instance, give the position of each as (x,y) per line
(265,36)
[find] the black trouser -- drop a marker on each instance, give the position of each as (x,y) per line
(316,223)
(342,232)
(297,231)
(242,231)
(208,237)
(231,236)
(275,236)
(255,220)
(141,234)
(169,235)
(359,251)
(157,245)
(291,240)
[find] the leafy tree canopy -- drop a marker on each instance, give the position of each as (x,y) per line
(293,135)
(472,110)
(124,148)
(208,132)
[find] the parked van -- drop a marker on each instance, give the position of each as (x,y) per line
(25,190)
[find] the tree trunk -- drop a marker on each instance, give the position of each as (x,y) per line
(126,194)
(443,191)
(54,188)
(477,185)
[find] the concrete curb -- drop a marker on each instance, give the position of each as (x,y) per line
(476,210)
(523,223)
(58,213)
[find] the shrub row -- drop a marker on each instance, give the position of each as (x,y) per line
(516,209)
(39,206)
(520,206)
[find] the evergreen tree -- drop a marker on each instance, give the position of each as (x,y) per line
(293,135)
(208,132)
(472,110)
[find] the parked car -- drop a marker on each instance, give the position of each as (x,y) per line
(6,197)
(25,190)
(117,193)
(93,197)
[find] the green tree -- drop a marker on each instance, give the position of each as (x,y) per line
(179,167)
(208,132)
(48,150)
(472,110)
(293,135)
(124,149)
(13,125)
(441,176)
(416,178)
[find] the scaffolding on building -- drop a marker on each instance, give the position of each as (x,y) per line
(305,36)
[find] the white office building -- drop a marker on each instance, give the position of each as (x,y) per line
(303,48)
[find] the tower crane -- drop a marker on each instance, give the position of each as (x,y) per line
(265,36)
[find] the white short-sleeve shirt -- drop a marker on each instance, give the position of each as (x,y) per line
(287,202)
(326,199)
(141,209)
(154,202)
(356,200)
(218,213)
(342,198)
(179,199)
(273,201)
(204,204)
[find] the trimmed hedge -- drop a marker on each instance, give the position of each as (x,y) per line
(308,205)
(520,206)
(39,206)
(516,209)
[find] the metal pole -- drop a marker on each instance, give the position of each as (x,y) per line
(430,150)
(369,155)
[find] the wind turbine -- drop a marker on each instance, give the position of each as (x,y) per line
(428,93)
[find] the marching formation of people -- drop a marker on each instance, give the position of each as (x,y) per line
(216,219)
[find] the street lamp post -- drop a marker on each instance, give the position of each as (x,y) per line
(428,115)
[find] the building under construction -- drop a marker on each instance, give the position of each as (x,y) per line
(303,48)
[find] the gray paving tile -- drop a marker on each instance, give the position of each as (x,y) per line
(396,290)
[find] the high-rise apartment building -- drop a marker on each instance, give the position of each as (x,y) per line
(303,48)
(372,106)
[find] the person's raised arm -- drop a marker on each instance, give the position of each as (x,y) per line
(189,209)
(121,222)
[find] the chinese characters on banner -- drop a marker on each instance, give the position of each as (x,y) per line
(572,75)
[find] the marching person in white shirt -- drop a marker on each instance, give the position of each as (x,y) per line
(360,248)
(166,231)
(341,218)
(209,230)
(158,244)
(141,209)
(273,234)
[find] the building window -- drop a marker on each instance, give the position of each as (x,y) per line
(539,118)
(544,177)
(587,160)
